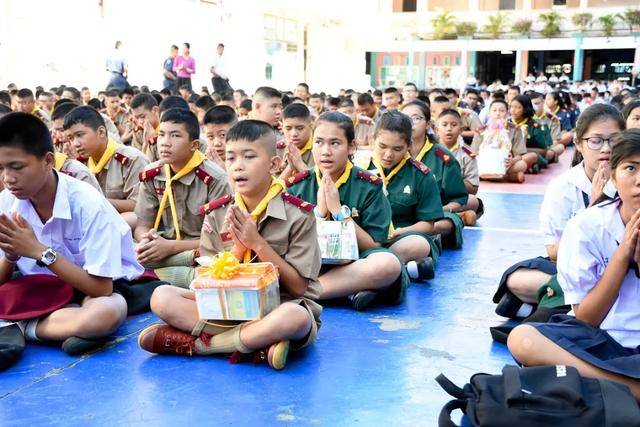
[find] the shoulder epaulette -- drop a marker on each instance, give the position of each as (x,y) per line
(468,151)
(444,156)
(511,125)
(420,166)
(369,177)
(215,204)
(121,158)
(534,122)
(204,176)
(296,178)
(149,173)
(298,202)
(82,160)
(553,117)
(280,145)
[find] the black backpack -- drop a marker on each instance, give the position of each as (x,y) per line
(540,396)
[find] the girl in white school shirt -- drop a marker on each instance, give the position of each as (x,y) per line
(598,271)
(568,194)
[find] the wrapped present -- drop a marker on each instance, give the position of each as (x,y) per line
(494,150)
(337,240)
(228,290)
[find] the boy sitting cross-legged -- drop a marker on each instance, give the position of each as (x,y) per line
(264,222)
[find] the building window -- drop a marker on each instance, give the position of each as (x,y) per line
(435,60)
(559,2)
(409,5)
(447,60)
(507,5)
(386,60)
(457,60)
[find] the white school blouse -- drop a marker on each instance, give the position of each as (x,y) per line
(588,243)
(565,196)
(85,229)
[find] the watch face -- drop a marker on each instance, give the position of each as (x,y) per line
(49,256)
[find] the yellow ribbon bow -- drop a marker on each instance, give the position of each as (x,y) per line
(276,188)
(196,160)
(112,146)
(224,266)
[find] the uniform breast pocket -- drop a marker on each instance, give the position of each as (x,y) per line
(405,199)
(71,244)
(114,192)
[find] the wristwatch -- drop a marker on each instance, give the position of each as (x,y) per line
(49,256)
(343,214)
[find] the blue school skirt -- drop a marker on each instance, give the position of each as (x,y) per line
(593,345)
(543,264)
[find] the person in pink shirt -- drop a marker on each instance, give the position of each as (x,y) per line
(184,65)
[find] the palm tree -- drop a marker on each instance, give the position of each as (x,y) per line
(495,25)
(522,27)
(444,24)
(551,21)
(608,23)
(631,17)
(582,21)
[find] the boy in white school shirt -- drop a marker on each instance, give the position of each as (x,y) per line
(67,243)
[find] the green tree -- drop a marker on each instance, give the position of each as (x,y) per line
(444,24)
(551,23)
(582,21)
(495,25)
(522,27)
(608,23)
(631,17)
(466,29)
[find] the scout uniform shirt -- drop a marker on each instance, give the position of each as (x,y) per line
(550,121)
(364,128)
(446,169)
(149,148)
(75,169)
(518,145)
(306,154)
(42,115)
(120,118)
(361,191)
(470,121)
(289,228)
(203,184)
(412,192)
(118,173)
(468,164)
(535,134)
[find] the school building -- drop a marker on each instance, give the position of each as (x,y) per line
(412,52)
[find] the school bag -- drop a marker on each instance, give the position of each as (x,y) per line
(540,396)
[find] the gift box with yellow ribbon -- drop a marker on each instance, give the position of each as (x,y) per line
(229,290)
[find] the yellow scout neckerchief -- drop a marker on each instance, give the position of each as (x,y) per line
(276,188)
(59,160)
(343,178)
(196,160)
(112,146)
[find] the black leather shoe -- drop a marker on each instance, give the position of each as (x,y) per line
(11,345)
(362,299)
(509,305)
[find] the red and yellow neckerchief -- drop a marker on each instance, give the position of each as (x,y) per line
(343,178)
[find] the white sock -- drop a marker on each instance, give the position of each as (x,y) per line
(4,323)
(524,310)
(30,330)
(412,269)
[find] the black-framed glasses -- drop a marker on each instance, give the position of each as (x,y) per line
(597,142)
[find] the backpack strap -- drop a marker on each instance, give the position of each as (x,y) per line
(450,387)
(444,419)
(512,384)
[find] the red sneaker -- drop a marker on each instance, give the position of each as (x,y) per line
(165,339)
(275,355)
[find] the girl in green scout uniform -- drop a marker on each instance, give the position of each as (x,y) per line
(538,137)
(412,192)
(342,191)
(442,163)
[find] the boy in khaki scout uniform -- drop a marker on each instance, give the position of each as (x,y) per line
(259,222)
(172,190)
(449,128)
(217,122)
(146,120)
(27,104)
(295,149)
(116,113)
(115,166)
(364,126)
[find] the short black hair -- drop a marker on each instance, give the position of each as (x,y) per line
(395,121)
(85,115)
(25,93)
(334,101)
(346,103)
(440,100)
(165,91)
(471,90)
(252,130)
(391,90)
(4,110)
(205,102)
(226,96)
(627,109)
(187,45)
(247,104)
(145,100)
(112,93)
(62,110)
(376,92)
(535,95)
(185,87)
(514,87)
(413,85)
(27,132)
(5,98)
(266,92)
(450,91)
(304,85)
(173,46)
(220,115)
(450,112)
(343,121)
(75,93)
(364,99)
(126,91)
(527,106)
(220,44)
(316,96)
(296,111)
(193,98)
(172,102)
(183,116)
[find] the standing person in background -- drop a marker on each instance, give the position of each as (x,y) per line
(220,80)
(118,69)
(169,75)
(184,65)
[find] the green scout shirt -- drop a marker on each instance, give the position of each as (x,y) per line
(446,170)
(538,135)
(362,193)
(413,194)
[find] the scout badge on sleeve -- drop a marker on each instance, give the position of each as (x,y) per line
(229,290)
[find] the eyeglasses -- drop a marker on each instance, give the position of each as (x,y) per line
(597,142)
(416,118)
